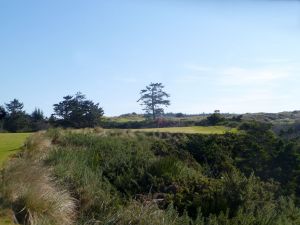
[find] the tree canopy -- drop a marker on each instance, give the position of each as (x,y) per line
(76,111)
(2,113)
(15,106)
(16,118)
(154,98)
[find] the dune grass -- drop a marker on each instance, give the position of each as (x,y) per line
(10,143)
(191,130)
(5,221)
(34,198)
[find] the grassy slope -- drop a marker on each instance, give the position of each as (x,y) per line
(191,130)
(9,144)
(4,221)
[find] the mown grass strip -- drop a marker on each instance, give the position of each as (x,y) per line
(10,143)
(191,130)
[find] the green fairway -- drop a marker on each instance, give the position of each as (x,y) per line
(10,143)
(191,130)
(125,119)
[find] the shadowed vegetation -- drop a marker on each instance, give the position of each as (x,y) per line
(98,176)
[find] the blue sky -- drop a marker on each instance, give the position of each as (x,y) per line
(236,56)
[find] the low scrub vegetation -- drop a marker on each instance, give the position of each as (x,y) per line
(93,177)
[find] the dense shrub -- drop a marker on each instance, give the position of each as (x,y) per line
(120,177)
(198,174)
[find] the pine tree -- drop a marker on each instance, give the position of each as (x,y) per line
(153,98)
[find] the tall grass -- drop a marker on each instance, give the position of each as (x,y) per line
(35,198)
(100,177)
(31,192)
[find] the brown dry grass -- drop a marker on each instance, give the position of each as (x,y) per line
(29,190)
(35,198)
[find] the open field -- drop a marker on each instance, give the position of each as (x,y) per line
(10,143)
(191,130)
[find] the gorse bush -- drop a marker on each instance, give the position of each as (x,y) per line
(122,178)
(167,170)
(144,214)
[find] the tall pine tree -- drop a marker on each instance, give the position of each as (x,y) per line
(154,98)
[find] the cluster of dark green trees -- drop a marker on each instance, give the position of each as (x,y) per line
(74,111)
(13,118)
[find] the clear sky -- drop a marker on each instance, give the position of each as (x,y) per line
(236,56)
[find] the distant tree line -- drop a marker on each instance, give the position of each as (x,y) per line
(74,111)
(14,119)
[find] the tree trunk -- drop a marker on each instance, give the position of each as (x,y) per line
(153,107)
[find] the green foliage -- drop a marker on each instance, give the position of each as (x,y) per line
(191,130)
(215,119)
(3,113)
(255,127)
(16,119)
(204,184)
(38,121)
(167,168)
(154,99)
(37,115)
(165,179)
(76,111)
(14,107)
(17,122)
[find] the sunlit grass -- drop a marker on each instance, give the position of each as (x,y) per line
(10,143)
(126,119)
(191,130)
